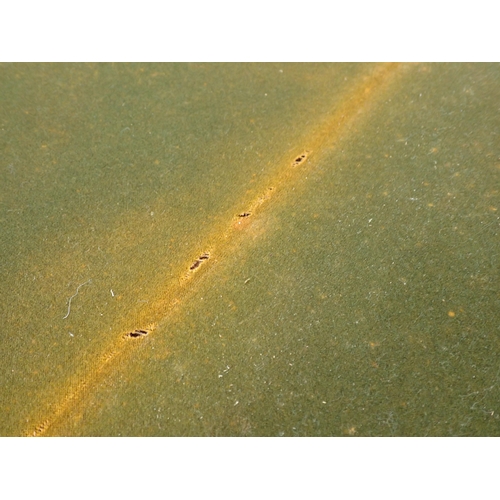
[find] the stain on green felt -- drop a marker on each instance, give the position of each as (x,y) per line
(372,307)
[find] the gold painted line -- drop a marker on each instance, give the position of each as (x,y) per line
(223,240)
(73,395)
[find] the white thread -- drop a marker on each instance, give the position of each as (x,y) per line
(73,296)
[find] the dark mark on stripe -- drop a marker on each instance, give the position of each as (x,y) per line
(198,261)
